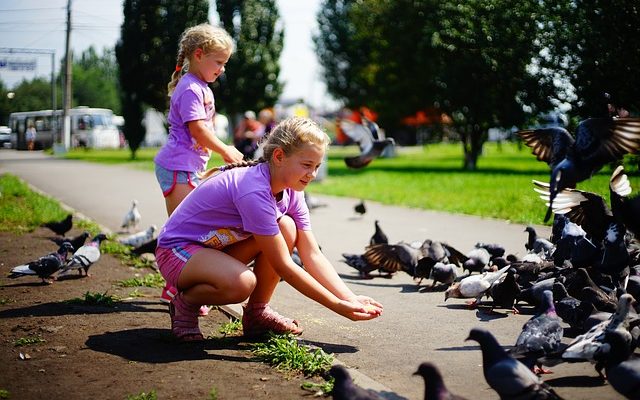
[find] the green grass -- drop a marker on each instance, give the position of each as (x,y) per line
(95,299)
(28,341)
(230,328)
(143,396)
(4,394)
(23,210)
(154,280)
(428,177)
(286,354)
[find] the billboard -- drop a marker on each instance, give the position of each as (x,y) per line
(18,64)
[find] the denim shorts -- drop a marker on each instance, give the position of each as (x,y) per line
(168,179)
(172,261)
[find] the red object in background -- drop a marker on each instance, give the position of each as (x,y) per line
(428,116)
(354,116)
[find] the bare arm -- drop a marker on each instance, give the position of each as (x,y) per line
(275,250)
(207,138)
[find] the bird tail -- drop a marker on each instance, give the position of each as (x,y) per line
(21,270)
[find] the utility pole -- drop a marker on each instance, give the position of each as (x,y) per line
(66,120)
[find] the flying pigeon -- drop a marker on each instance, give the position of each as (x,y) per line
(540,335)
(379,237)
(365,158)
(510,378)
(360,208)
(474,286)
(85,256)
(392,258)
(76,242)
(44,267)
(598,141)
(139,238)
(625,209)
(132,218)
(345,389)
(434,387)
(60,227)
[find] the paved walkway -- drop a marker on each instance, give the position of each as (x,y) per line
(415,326)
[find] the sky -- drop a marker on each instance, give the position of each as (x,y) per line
(41,24)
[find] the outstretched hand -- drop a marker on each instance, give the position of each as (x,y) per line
(231,155)
(360,308)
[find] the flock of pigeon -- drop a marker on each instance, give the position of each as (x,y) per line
(585,276)
(74,253)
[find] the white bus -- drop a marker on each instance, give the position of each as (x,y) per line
(90,127)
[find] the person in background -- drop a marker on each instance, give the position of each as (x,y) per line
(203,52)
(247,134)
(247,212)
(30,135)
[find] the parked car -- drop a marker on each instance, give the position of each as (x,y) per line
(5,136)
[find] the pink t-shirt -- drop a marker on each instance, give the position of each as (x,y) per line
(231,206)
(191,100)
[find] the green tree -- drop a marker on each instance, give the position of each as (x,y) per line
(251,78)
(146,55)
(592,45)
(95,80)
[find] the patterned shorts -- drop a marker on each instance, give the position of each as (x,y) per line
(172,261)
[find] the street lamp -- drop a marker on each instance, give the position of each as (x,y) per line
(11,95)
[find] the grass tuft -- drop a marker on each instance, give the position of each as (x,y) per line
(95,299)
(230,328)
(154,280)
(143,396)
(28,341)
(285,353)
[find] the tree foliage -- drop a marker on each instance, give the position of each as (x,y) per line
(95,80)
(251,78)
(146,54)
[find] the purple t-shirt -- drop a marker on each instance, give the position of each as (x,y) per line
(231,206)
(192,100)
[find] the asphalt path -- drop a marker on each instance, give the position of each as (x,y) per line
(416,325)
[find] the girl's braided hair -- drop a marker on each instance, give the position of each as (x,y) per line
(207,37)
(289,135)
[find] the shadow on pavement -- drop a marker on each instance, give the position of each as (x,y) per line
(62,308)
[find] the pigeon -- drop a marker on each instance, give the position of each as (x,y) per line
(536,244)
(44,267)
(312,202)
(533,295)
(379,237)
(358,262)
(572,311)
(345,389)
(444,273)
(443,252)
(365,158)
(510,378)
(540,335)
(504,291)
(476,260)
(85,256)
(623,372)
(434,387)
(474,286)
(598,141)
(132,218)
(625,209)
(392,258)
(76,242)
(148,247)
(60,227)
(139,238)
(584,346)
(494,249)
(360,208)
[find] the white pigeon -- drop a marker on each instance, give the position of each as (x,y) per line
(139,238)
(474,286)
(85,256)
(132,219)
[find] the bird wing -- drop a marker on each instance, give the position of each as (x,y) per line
(455,256)
(83,258)
(392,257)
(549,144)
(603,140)
(510,377)
(23,269)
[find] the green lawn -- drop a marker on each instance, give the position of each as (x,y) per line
(428,177)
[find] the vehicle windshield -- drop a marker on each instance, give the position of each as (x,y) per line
(95,120)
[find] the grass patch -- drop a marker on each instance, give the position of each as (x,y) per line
(153,280)
(319,389)
(4,394)
(4,301)
(23,210)
(230,328)
(143,396)
(95,299)
(28,341)
(429,177)
(286,354)
(213,394)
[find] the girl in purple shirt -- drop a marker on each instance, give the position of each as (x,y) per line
(253,211)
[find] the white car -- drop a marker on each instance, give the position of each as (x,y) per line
(5,137)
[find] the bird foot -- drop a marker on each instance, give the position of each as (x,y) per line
(472,304)
(515,311)
(541,370)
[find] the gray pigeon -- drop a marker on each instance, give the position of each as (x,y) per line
(540,335)
(379,237)
(85,256)
(139,238)
(391,258)
(474,286)
(536,244)
(45,266)
(345,389)
(358,262)
(444,273)
(434,387)
(132,217)
(621,367)
(510,378)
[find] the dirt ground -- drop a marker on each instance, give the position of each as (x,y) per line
(99,352)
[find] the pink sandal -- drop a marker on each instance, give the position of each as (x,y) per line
(184,320)
(259,319)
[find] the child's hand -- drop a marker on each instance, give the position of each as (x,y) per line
(231,155)
(360,308)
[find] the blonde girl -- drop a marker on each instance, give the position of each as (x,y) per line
(254,211)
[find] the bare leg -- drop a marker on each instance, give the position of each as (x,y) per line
(176,196)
